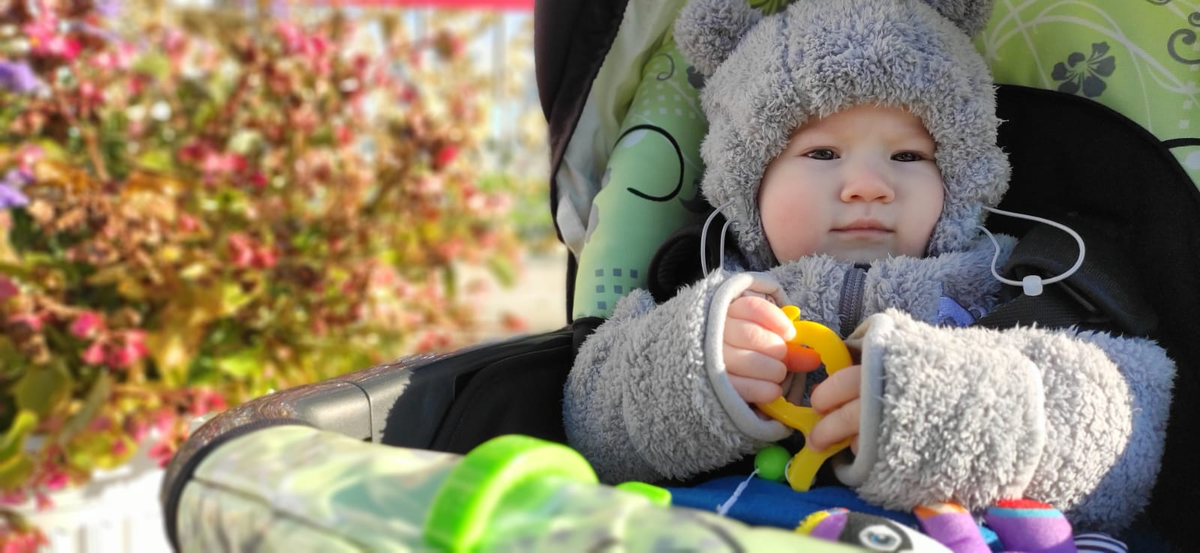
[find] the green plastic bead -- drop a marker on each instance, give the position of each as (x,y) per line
(772,462)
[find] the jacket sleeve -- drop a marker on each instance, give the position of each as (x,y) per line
(648,399)
(1074,419)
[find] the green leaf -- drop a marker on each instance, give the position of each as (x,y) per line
(15,472)
(44,388)
(154,64)
(503,270)
(13,442)
(450,281)
(234,298)
(95,400)
(16,465)
(12,362)
(243,364)
(156,159)
(204,112)
(20,271)
(244,141)
(51,149)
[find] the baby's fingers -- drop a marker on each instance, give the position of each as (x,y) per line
(839,389)
(835,427)
(762,312)
(753,364)
(753,390)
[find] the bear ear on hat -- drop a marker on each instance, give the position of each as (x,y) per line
(707,31)
(970,15)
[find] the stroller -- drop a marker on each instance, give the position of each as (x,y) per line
(365,461)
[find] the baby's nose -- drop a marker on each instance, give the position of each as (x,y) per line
(866,182)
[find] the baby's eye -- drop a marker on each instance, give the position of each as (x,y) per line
(823,154)
(908,157)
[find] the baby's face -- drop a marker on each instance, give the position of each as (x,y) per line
(859,185)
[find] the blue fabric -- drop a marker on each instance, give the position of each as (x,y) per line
(950,313)
(767,503)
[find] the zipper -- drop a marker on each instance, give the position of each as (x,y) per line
(850,308)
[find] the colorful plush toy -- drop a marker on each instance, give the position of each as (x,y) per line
(1013,525)
(875,533)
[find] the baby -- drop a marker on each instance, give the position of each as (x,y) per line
(852,143)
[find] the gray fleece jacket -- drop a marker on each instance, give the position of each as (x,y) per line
(1075,419)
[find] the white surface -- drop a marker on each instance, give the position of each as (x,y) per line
(118,512)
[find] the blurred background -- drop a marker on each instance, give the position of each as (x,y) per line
(205,201)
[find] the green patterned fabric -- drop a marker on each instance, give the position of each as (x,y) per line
(1138,57)
(649,185)
(299,489)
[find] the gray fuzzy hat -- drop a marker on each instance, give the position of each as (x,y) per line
(767,75)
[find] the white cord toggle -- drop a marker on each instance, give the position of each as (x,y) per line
(1033,285)
(723,509)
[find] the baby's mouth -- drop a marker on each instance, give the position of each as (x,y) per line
(864,227)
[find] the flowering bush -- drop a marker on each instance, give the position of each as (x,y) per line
(188,221)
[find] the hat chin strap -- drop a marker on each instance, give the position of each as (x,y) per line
(1033,285)
(704,237)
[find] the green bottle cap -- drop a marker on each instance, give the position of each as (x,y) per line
(656,495)
(476,487)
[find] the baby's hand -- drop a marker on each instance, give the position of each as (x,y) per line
(837,398)
(755,348)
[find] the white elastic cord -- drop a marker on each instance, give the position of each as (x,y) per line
(1032,285)
(724,508)
(704,238)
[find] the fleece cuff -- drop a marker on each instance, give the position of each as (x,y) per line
(948,414)
(739,411)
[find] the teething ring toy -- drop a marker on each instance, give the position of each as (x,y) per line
(833,353)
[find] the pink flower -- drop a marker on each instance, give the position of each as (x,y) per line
(94,354)
(132,350)
(450,249)
(31,320)
(56,480)
(194,151)
(8,289)
(28,156)
(161,451)
(138,429)
(265,258)
(43,501)
(87,325)
(292,37)
(90,96)
(259,180)
(39,31)
(175,42)
(188,223)
(164,421)
(241,250)
(118,58)
(45,40)
(431,184)
(216,163)
(21,542)
(344,136)
(100,423)
(207,401)
(444,156)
